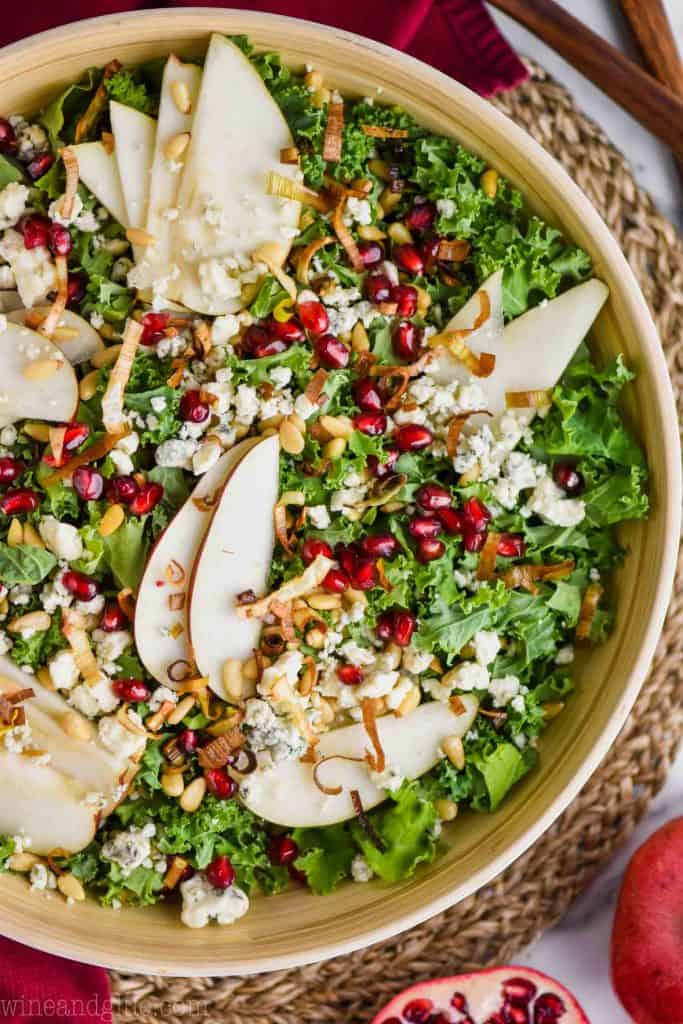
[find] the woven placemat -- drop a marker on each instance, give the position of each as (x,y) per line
(535,891)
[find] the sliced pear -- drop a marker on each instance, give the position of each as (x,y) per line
(487,338)
(78,349)
(134,139)
(224,212)
(36,381)
(99,171)
(177,548)
(9,301)
(59,805)
(235,556)
(287,794)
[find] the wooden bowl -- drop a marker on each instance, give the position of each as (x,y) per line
(297,927)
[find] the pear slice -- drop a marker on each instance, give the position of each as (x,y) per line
(134,139)
(36,381)
(235,556)
(177,548)
(59,805)
(78,349)
(487,338)
(99,171)
(224,212)
(287,794)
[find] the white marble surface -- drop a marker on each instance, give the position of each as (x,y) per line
(577,950)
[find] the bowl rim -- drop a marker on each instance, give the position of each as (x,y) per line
(213,19)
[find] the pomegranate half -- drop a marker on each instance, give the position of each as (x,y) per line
(502,995)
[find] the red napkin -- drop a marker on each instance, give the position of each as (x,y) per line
(455,36)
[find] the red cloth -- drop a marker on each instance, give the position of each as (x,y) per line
(456,36)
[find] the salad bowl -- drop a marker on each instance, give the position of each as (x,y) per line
(295,926)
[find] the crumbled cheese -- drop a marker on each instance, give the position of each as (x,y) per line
(109,647)
(469,675)
(123,464)
(12,204)
(203,903)
(486,645)
(304,407)
(31,138)
(246,404)
(358,211)
(565,655)
(549,502)
(175,454)
(8,436)
(216,282)
(270,732)
(63,670)
(17,739)
(41,878)
(33,269)
(95,700)
(389,779)
(119,740)
(318,516)
(161,695)
(54,595)
(281,376)
(416,661)
(503,690)
(129,849)
(360,869)
(62,539)
(445,207)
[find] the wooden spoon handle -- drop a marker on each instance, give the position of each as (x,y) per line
(652,29)
(654,105)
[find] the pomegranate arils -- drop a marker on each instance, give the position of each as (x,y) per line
(459,1002)
(378,287)
(75,435)
(39,166)
(254,337)
(433,497)
(511,545)
(147,498)
(430,548)
(87,483)
(380,545)
(408,258)
(122,489)
(282,850)
(188,740)
(421,216)
(76,287)
(404,625)
(35,231)
(422,527)
(80,585)
(8,140)
(10,469)
(192,408)
(16,502)
(473,540)
(384,627)
(548,1009)
(365,575)
(405,297)
(286,330)
(347,556)
(430,253)
(220,783)
(371,423)
(382,469)
(332,353)
(153,327)
(412,438)
(312,547)
(313,316)
(133,691)
(350,675)
(406,340)
(476,514)
(417,1011)
(271,347)
(220,873)
(515,1014)
(367,396)
(568,478)
(113,618)
(60,240)
(336,581)
(297,875)
(371,253)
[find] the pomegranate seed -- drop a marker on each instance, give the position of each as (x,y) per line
(347,556)
(336,581)
(405,625)
(297,875)
(39,166)
(80,585)
(434,497)
(153,327)
(254,338)
(451,520)
(350,675)
(60,241)
(16,502)
(10,469)
(568,478)
(476,514)
(511,545)
(406,340)
(192,408)
(430,253)
(418,1010)
(188,740)
(371,253)
(286,330)
(147,498)
(332,353)
(371,423)
(438,1018)
(378,287)
(122,489)
(382,469)
(76,434)
(423,528)
(519,991)
(220,873)
(384,627)
(282,850)
(405,297)
(408,258)
(473,540)
(272,347)
(113,618)
(430,548)
(367,396)
(313,316)
(380,545)
(459,1002)
(548,1009)
(134,691)
(365,576)
(312,547)
(76,286)
(412,438)
(8,140)
(220,784)
(421,216)
(35,231)
(515,1014)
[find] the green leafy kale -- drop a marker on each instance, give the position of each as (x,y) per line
(24,564)
(126,87)
(36,650)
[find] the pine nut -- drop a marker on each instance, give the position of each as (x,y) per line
(446,809)
(391,656)
(313,80)
(291,438)
(324,602)
(315,638)
(359,338)
(351,597)
(193,795)
(409,702)
(182,708)
(71,887)
(326,711)
(38,431)
(370,233)
(272,423)
(337,426)
(297,498)
(489,183)
(389,200)
(15,534)
(232,678)
(335,448)
(176,146)
(44,678)
(22,861)
(551,709)
(32,537)
(41,369)
(320,97)
(64,334)
(399,233)
(138,236)
(76,726)
(38,621)
(111,520)
(298,422)
(105,356)
(380,168)
(454,751)
(181,97)
(172,785)
(88,386)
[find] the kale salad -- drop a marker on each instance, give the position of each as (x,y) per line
(308,485)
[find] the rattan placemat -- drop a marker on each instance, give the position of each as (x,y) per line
(532,894)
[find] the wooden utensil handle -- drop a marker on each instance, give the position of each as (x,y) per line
(654,105)
(652,29)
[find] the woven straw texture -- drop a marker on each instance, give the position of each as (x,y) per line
(534,892)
